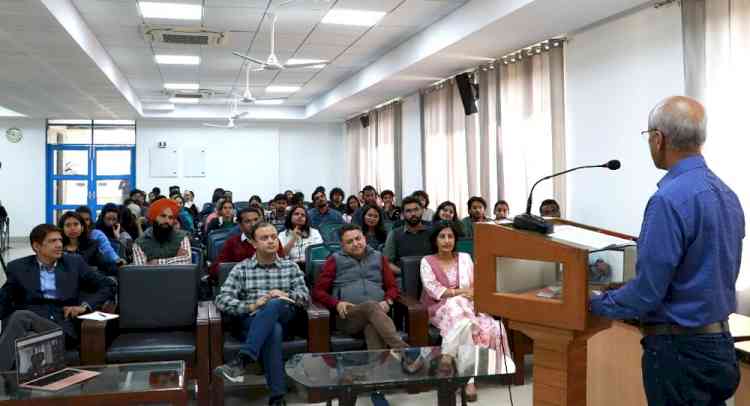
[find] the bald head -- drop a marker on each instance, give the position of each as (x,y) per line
(682,120)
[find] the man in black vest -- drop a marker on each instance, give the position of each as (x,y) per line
(412,239)
(162,244)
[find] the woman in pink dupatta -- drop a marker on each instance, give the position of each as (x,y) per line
(448,294)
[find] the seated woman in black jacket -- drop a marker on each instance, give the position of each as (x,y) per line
(76,242)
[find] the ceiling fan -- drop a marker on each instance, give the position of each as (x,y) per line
(234,115)
(247,96)
(272,63)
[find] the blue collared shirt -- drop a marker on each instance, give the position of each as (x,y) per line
(47,283)
(330,216)
(689,253)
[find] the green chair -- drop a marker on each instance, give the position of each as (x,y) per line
(465,245)
(329,231)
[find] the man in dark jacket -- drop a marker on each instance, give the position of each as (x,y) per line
(50,284)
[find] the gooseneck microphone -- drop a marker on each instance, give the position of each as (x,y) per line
(528,221)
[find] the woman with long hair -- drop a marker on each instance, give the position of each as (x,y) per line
(298,235)
(447,211)
(76,241)
(352,204)
(224,218)
(373,226)
(448,294)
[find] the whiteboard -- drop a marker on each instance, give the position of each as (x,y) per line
(163,162)
(194,162)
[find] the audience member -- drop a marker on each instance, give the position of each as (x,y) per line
(336,198)
(228,195)
(255,201)
(154,194)
(298,235)
(108,254)
(447,211)
(49,284)
(359,286)
(413,238)
(298,199)
(130,223)
(224,218)
(278,213)
(265,293)
(139,197)
(391,211)
(289,195)
(189,198)
(374,227)
(162,244)
(477,207)
(370,199)
(186,219)
(501,210)
(448,294)
(424,200)
(352,205)
(549,208)
(77,241)
(321,213)
(239,247)
(109,223)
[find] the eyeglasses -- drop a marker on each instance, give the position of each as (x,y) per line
(647,133)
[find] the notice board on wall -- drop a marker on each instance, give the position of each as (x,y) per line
(163,162)
(194,162)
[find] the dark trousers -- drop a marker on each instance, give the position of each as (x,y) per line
(20,324)
(691,370)
(378,327)
(264,334)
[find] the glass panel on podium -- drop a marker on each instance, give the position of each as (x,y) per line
(530,278)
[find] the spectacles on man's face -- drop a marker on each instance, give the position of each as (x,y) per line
(646,134)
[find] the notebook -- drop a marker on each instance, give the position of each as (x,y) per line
(40,361)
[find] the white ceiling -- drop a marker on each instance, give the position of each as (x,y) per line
(88,58)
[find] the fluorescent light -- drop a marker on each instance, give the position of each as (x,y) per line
(114,122)
(273,102)
(159,106)
(177,59)
(9,113)
(171,11)
(353,17)
(282,89)
(184,100)
(182,86)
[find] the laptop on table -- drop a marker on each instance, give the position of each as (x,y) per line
(40,362)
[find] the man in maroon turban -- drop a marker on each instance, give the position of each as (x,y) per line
(162,244)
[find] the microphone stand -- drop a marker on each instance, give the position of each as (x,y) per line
(530,222)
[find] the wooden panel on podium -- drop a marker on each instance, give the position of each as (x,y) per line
(559,327)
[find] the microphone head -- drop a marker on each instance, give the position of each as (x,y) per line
(613,164)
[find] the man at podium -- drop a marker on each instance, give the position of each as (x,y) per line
(689,253)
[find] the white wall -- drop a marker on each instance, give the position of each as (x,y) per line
(22,179)
(262,159)
(411,142)
(615,73)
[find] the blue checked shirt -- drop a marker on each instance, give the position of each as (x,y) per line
(249,280)
(689,253)
(47,282)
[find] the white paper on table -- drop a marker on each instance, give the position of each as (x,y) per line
(98,316)
(593,239)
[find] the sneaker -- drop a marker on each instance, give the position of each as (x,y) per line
(236,369)
(378,399)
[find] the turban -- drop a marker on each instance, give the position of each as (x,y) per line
(156,208)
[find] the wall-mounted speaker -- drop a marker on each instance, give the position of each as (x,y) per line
(365,120)
(468,91)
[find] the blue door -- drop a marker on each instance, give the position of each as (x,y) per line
(88,175)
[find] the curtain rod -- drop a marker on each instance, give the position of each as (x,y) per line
(377,107)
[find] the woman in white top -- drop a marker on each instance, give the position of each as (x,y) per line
(448,295)
(298,235)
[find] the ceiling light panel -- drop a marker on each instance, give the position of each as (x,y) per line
(183,100)
(362,18)
(269,102)
(282,89)
(170,11)
(177,59)
(182,86)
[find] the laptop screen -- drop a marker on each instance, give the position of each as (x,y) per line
(40,354)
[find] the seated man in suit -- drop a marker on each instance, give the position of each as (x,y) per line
(239,247)
(264,292)
(49,285)
(358,284)
(162,244)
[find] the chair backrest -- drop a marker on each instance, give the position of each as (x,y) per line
(197,256)
(314,271)
(224,269)
(330,231)
(411,279)
(207,207)
(158,297)
(241,205)
(215,241)
(465,245)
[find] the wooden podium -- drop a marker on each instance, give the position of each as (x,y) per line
(559,326)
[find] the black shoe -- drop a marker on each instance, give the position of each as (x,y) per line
(237,368)
(277,401)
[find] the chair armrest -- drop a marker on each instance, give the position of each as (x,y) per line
(93,342)
(318,328)
(202,351)
(417,320)
(216,332)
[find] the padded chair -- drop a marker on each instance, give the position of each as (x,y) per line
(215,241)
(160,319)
(330,231)
(224,347)
(241,205)
(465,245)
(520,345)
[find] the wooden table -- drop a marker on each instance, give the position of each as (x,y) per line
(117,384)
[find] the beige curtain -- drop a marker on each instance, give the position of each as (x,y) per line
(531,131)
(722,29)
(388,121)
(372,151)
(490,179)
(445,145)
